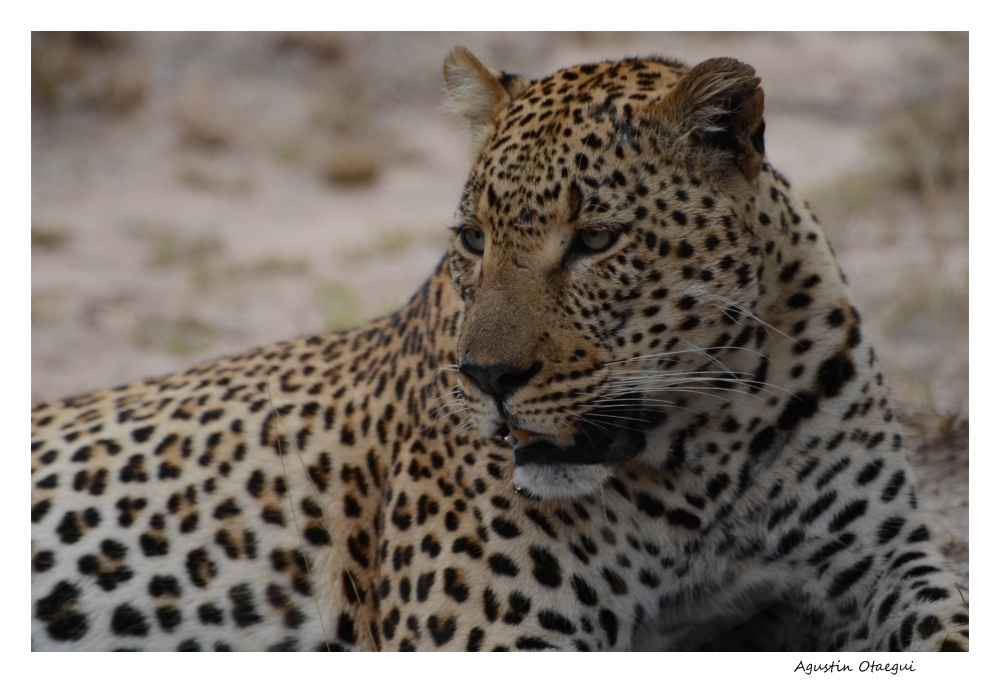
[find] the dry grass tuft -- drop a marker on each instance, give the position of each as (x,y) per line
(203,259)
(87,69)
(949,425)
(198,255)
(351,166)
(278,265)
(925,149)
(201,177)
(326,46)
(202,130)
(168,250)
(288,152)
(928,146)
(99,41)
(928,303)
(182,336)
(48,236)
(938,424)
(339,306)
(848,195)
(385,243)
(122,91)
(55,64)
(345,114)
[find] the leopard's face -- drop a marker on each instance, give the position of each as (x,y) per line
(600,258)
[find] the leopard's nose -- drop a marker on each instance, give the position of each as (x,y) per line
(498,380)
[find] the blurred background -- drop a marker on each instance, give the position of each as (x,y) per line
(198,194)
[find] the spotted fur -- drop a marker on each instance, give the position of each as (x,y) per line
(708,440)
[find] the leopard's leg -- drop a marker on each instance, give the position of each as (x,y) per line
(778,628)
(877,586)
(917,604)
(886,595)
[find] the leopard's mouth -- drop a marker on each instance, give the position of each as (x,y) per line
(524,437)
(613,437)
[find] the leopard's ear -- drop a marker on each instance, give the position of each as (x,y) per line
(718,108)
(479,92)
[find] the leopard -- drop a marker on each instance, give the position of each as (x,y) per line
(633,407)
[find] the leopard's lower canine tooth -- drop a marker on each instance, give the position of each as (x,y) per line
(521,435)
(564,438)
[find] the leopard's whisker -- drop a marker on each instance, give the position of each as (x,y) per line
(663,354)
(750,314)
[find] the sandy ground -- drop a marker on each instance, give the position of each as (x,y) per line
(197,194)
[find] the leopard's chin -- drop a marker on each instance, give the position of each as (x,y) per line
(546,467)
(559,480)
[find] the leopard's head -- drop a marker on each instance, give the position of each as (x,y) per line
(604,245)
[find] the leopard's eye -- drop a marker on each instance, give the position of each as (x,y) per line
(596,240)
(474,240)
